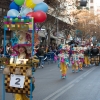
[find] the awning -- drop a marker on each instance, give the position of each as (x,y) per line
(41,34)
(52,36)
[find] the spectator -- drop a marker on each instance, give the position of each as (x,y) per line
(40,55)
(1,51)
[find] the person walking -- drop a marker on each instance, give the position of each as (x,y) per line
(40,54)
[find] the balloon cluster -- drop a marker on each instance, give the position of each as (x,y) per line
(32,8)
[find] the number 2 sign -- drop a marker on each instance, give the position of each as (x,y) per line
(17,81)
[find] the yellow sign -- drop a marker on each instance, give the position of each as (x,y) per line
(19,27)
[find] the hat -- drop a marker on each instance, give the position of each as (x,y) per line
(27,46)
(62,50)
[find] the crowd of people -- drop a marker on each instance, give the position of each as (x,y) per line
(77,56)
(66,55)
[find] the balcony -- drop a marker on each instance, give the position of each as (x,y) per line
(52,3)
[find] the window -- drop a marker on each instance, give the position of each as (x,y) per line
(91,7)
(91,1)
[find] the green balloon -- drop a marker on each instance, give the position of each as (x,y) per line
(19,2)
(16,20)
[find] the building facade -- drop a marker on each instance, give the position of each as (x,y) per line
(94,6)
(4,7)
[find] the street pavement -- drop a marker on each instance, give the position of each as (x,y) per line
(84,85)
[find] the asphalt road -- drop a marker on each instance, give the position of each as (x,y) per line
(84,85)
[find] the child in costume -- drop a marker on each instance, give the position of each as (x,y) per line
(81,60)
(63,62)
(74,61)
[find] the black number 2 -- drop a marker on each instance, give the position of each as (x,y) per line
(18,81)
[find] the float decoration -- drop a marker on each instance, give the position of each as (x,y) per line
(20,19)
(18,23)
(22,8)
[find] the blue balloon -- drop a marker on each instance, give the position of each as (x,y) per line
(13,5)
(13,13)
(24,11)
(41,6)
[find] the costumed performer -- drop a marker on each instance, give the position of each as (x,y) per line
(63,62)
(22,54)
(81,60)
(74,59)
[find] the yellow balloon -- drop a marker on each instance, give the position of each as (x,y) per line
(30,4)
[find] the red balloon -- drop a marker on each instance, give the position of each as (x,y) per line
(30,14)
(38,16)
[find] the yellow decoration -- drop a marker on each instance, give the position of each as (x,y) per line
(13,25)
(30,26)
(30,4)
(7,25)
(18,25)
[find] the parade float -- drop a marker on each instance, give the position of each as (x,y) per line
(18,70)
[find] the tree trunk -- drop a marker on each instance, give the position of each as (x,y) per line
(48,35)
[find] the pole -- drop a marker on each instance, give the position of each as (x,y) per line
(57,24)
(3,76)
(33,37)
(32,55)
(4,43)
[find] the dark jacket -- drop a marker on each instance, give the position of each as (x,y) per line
(86,52)
(94,51)
(40,52)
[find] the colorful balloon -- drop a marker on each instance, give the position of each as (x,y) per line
(30,4)
(24,11)
(13,5)
(41,6)
(37,1)
(13,13)
(16,20)
(19,2)
(30,14)
(39,16)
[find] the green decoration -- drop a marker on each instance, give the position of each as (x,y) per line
(25,20)
(5,26)
(19,2)
(5,20)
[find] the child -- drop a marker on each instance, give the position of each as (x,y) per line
(74,61)
(63,63)
(81,60)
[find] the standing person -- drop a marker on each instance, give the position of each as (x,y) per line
(86,57)
(1,51)
(63,62)
(40,55)
(22,54)
(74,61)
(8,49)
(8,46)
(94,55)
(1,54)
(81,60)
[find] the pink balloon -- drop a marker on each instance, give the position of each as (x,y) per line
(38,16)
